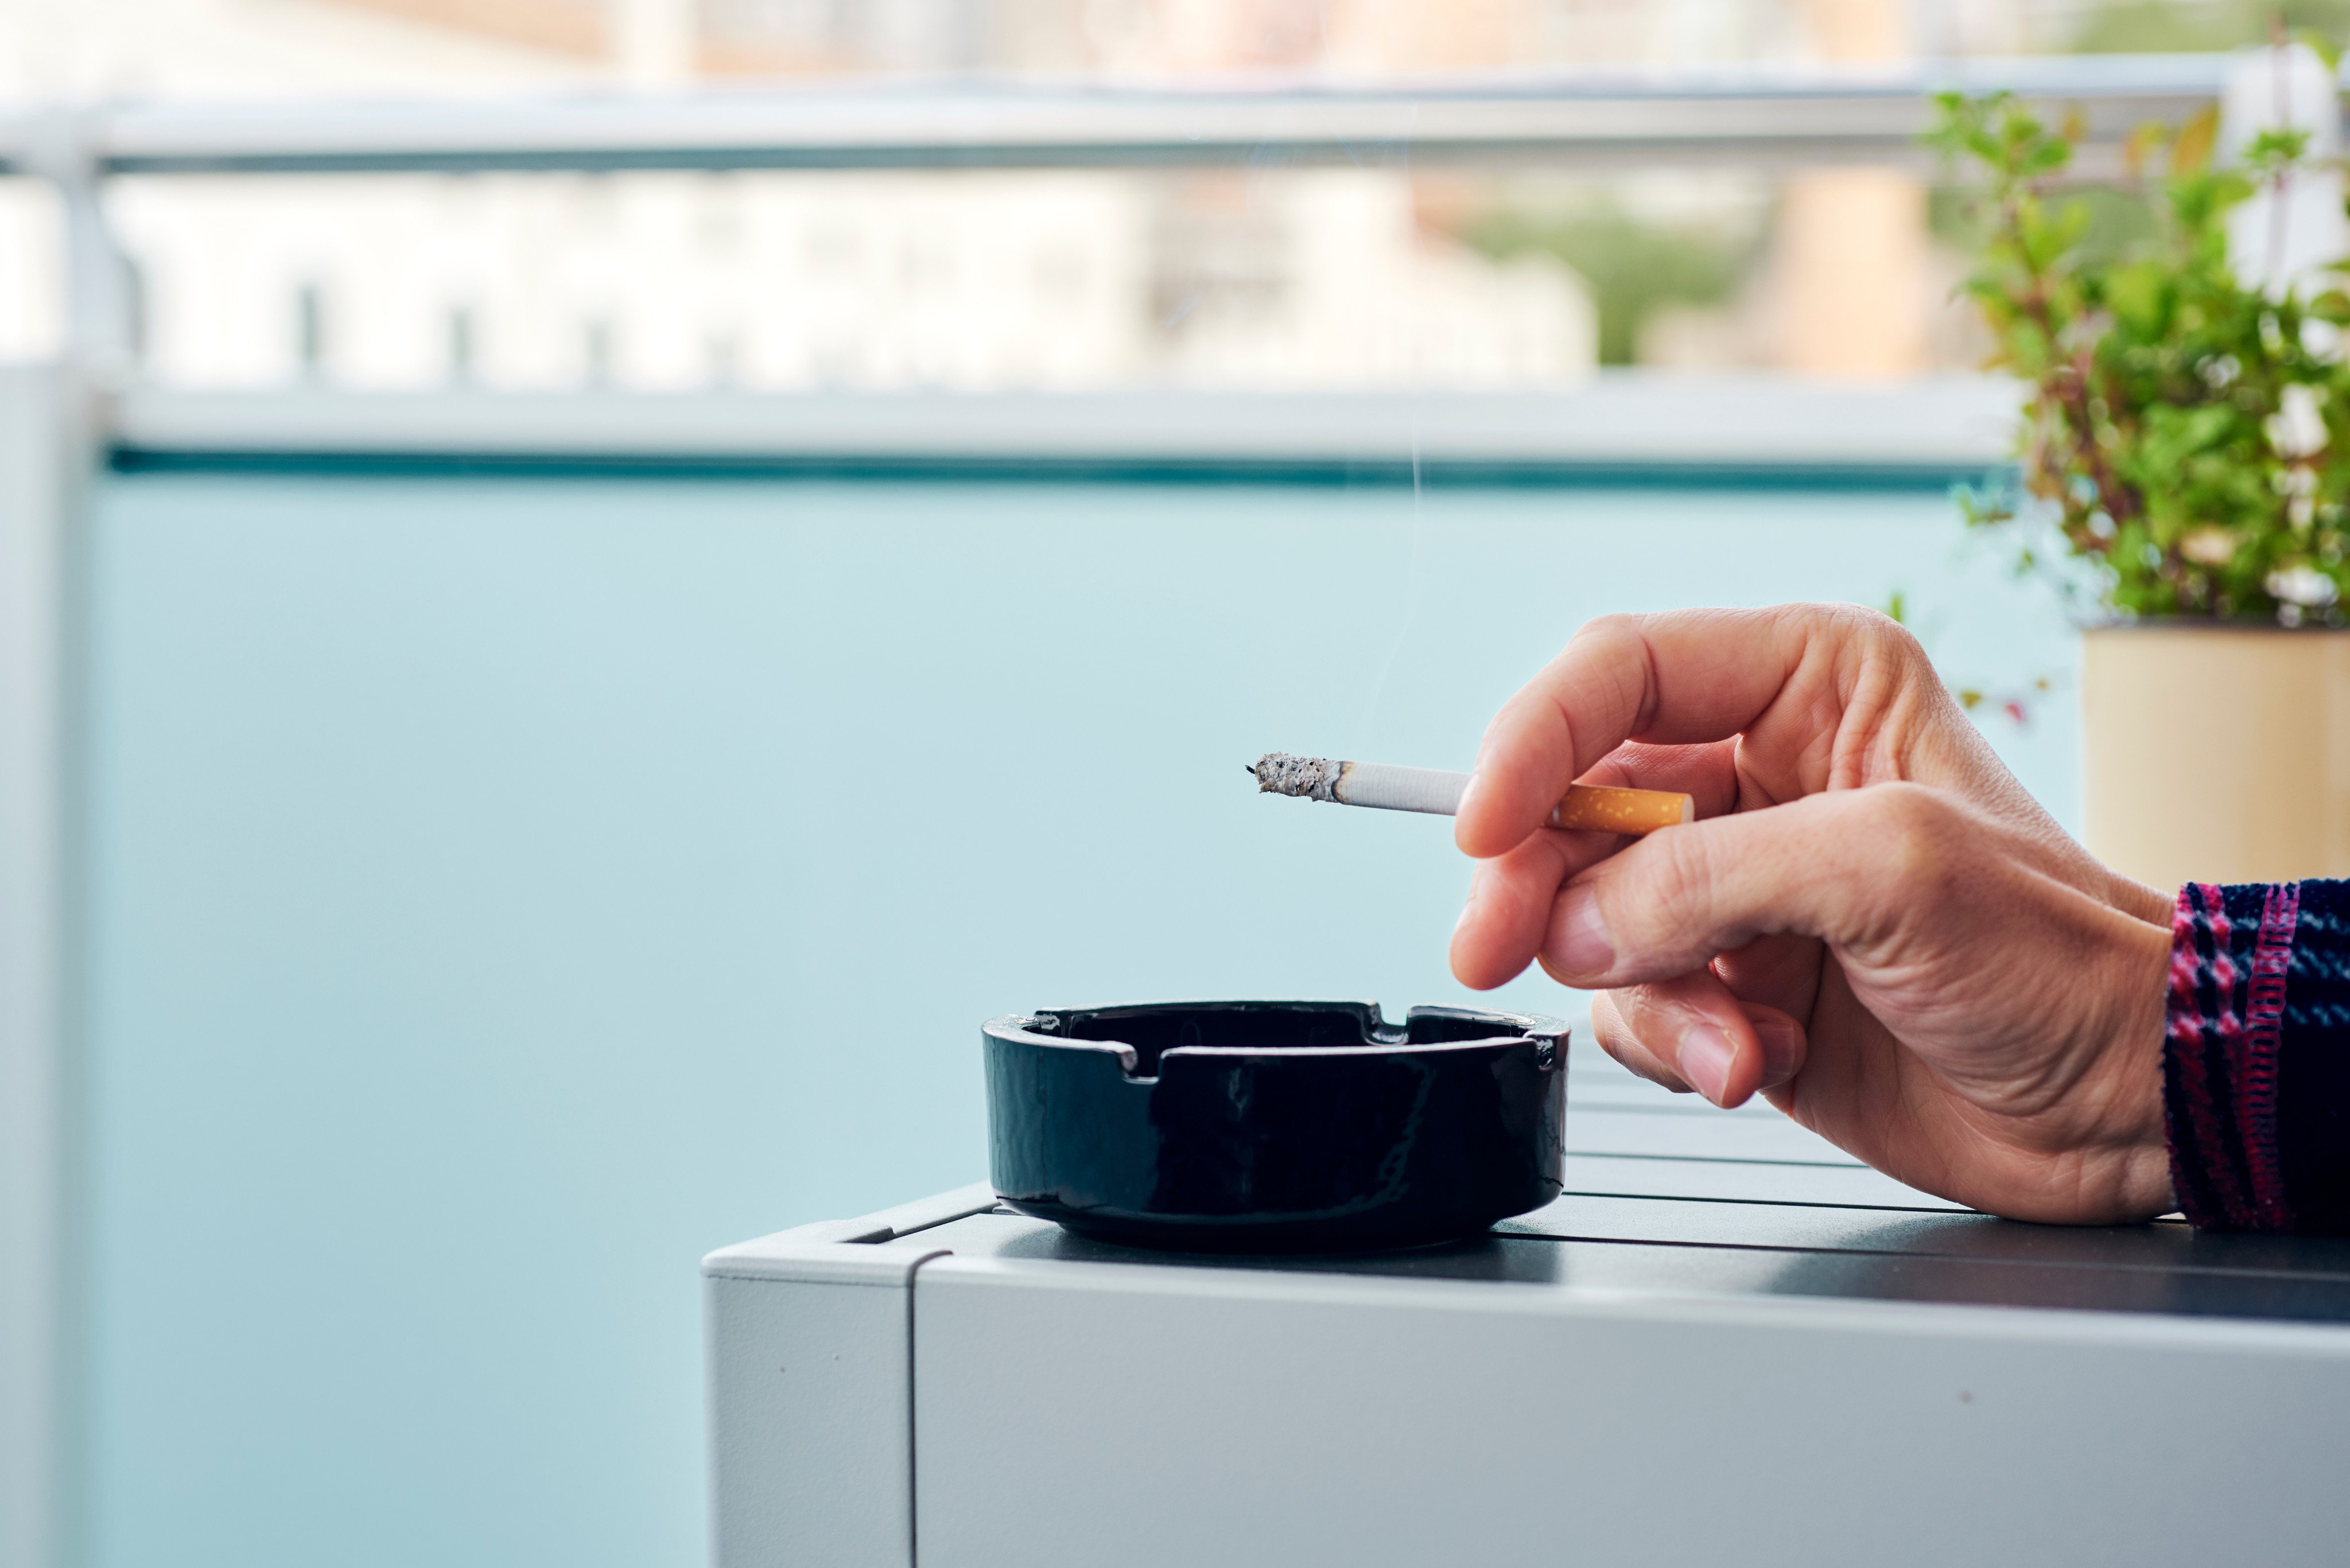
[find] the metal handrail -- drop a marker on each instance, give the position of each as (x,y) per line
(1751,114)
(1621,421)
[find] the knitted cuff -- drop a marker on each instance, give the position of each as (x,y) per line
(2256,1055)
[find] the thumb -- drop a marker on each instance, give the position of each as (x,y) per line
(1837,865)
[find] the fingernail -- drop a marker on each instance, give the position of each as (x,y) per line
(1580,945)
(1468,794)
(1781,1040)
(1704,1061)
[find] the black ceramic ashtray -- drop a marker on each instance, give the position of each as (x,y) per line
(1278,1127)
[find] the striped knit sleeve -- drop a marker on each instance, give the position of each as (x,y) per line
(2256,1055)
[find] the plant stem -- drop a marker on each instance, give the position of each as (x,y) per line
(2067,385)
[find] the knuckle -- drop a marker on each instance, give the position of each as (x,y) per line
(1922,839)
(1619,624)
(1896,641)
(1617,638)
(1858,619)
(1872,632)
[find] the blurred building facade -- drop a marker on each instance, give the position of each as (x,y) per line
(1272,278)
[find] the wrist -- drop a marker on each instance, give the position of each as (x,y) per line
(2141,902)
(2138,1140)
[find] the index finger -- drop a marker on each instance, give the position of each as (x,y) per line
(1680,678)
(1501,926)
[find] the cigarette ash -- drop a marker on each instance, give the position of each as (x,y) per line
(1311,778)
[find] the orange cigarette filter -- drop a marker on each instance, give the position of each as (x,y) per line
(1598,808)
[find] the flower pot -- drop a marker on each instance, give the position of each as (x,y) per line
(2217,754)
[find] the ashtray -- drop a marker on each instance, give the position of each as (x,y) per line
(1279,1127)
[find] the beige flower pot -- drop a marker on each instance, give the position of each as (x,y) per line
(2217,754)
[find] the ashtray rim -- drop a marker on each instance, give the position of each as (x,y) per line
(1535,1028)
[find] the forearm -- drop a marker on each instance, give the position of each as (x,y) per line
(2256,1057)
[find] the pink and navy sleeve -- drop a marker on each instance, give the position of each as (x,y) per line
(2256,1055)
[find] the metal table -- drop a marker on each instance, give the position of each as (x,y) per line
(1727,1343)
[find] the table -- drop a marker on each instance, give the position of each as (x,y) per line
(1727,1342)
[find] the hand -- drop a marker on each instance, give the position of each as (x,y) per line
(1871,923)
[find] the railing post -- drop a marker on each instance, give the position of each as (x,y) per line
(102,325)
(41,468)
(46,450)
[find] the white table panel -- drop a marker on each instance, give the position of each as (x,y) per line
(1071,1413)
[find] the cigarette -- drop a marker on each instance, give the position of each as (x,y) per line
(1586,807)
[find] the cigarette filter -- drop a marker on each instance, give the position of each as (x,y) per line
(1588,807)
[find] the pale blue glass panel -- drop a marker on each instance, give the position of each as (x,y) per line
(507,890)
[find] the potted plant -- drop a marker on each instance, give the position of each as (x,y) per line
(2185,473)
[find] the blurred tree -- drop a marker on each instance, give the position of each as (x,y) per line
(1634,267)
(2172,26)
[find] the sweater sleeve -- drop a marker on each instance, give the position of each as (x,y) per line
(2256,1055)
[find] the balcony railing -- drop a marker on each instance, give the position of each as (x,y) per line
(1596,123)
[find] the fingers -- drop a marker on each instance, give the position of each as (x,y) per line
(1618,1040)
(1501,925)
(1685,678)
(1510,895)
(1840,867)
(1781,972)
(1689,1033)
(1707,774)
